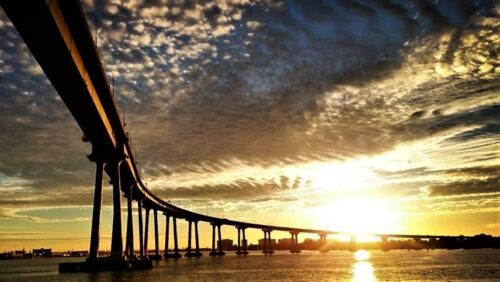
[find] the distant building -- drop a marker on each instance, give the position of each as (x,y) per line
(261,242)
(227,244)
(46,253)
(6,255)
(285,243)
(19,253)
(78,253)
(310,244)
(103,253)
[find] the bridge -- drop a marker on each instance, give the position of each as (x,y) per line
(57,34)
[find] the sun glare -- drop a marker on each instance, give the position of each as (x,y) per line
(358,216)
(340,175)
(362,255)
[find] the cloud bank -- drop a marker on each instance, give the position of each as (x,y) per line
(232,101)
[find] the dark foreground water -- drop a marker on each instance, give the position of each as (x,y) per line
(437,265)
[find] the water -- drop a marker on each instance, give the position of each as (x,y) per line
(437,265)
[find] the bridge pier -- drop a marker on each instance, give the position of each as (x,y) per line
(196,253)
(354,246)
(295,249)
(384,245)
(176,254)
(188,253)
(130,228)
(96,212)
(116,236)
(268,246)
(245,243)
(141,230)
(240,250)
(116,260)
(146,231)
(221,251)
(167,232)
(157,255)
(214,251)
(322,244)
(265,241)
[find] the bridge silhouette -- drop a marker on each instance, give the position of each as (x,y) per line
(58,35)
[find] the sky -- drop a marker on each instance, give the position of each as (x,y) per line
(357,116)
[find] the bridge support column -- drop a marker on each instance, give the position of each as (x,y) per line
(322,244)
(197,236)
(245,252)
(213,252)
(267,242)
(176,240)
(270,242)
(188,253)
(157,255)
(197,252)
(146,233)
(241,230)
(354,246)
(239,240)
(141,230)
(268,248)
(116,260)
(264,250)
(219,251)
(384,245)
(96,212)
(116,236)
(130,227)
(295,249)
(167,233)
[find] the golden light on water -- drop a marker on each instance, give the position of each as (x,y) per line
(362,255)
(363,272)
(363,269)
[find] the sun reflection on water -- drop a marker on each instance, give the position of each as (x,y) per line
(363,270)
(362,255)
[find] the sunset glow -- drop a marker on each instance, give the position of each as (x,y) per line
(359,216)
(362,255)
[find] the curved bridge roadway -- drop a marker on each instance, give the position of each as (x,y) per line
(58,36)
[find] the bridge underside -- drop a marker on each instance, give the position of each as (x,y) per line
(43,27)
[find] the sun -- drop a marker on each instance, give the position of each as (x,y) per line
(351,175)
(358,216)
(362,255)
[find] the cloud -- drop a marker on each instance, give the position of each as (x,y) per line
(237,190)
(493,225)
(489,185)
(261,87)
